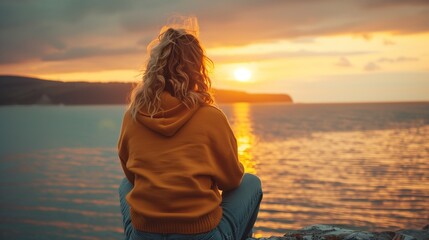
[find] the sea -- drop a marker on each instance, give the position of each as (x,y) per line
(363,165)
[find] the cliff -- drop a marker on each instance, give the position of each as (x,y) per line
(25,90)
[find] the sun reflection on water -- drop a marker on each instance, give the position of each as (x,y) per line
(242,127)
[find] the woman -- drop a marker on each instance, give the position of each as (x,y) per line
(177,151)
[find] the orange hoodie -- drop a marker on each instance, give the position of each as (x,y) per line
(178,160)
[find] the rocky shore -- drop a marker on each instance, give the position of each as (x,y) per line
(332,232)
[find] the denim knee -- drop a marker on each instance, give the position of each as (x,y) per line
(252,180)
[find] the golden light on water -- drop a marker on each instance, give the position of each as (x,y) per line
(371,178)
(242,128)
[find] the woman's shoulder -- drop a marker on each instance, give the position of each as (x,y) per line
(127,115)
(211,113)
(211,110)
(127,118)
(212,117)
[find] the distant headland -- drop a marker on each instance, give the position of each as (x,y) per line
(20,90)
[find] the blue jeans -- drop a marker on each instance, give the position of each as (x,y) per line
(240,210)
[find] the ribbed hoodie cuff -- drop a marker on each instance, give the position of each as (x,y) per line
(200,225)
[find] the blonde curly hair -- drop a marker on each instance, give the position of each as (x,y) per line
(178,65)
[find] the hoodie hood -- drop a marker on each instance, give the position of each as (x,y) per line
(170,119)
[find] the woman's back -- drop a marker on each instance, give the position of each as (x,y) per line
(177,160)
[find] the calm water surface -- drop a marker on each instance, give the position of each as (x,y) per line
(364,165)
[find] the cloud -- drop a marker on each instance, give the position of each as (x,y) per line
(30,30)
(395,3)
(375,65)
(236,57)
(304,40)
(38,29)
(75,53)
(367,36)
(371,66)
(343,62)
(388,42)
(397,60)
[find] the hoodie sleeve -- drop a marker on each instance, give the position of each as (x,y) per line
(123,150)
(229,170)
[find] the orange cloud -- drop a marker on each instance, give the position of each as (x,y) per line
(371,66)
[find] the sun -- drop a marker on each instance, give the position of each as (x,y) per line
(242,74)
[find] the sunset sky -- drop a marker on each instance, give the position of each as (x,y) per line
(316,51)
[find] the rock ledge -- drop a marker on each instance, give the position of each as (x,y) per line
(332,232)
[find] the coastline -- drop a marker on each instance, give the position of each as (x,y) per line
(20,90)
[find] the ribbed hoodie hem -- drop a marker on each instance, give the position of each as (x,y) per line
(200,225)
